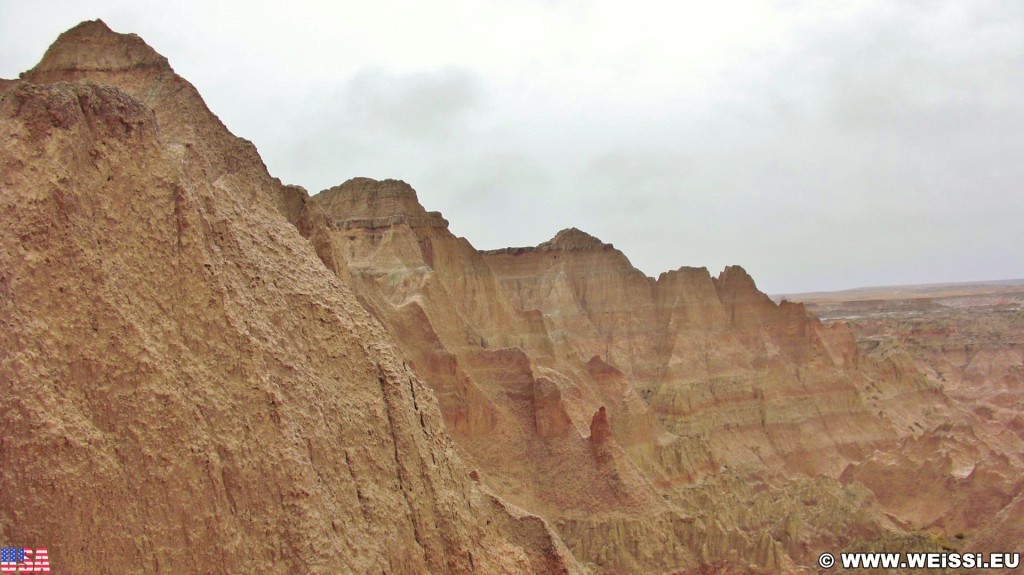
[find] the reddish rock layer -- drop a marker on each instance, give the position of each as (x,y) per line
(599,397)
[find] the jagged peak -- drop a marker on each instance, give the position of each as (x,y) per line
(686,272)
(572,239)
(366,202)
(567,240)
(92,46)
(371,193)
(735,284)
(362,184)
(735,277)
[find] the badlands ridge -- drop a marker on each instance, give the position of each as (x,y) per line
(209,371)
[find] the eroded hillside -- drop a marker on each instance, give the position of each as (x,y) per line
(189,389)
(660,425)
(968,341)
(337,383)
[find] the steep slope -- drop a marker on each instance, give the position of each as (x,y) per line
(189,389)
(634,414)
(964,477)
(762,384)
(91,51)
(527,426)
(230,372)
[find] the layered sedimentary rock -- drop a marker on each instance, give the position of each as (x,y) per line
(617,405)
(964,477)
(763,384)
(188,388)
(490,365)
(205,356)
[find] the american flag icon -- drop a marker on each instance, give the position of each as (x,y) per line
(24,560)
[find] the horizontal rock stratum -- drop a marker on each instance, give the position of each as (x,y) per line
(210,371)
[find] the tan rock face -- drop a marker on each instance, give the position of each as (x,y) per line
(601,398)
(963,477)
(90,51)
(192,390)
(763,384)
(201,354)
(493,367)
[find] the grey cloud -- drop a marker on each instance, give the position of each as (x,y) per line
(903,74)
(420,105)
(635,181)
(863,142)
(375,123)
(494,196)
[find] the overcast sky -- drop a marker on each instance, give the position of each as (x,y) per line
(820,144)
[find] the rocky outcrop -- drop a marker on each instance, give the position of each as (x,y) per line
(91,51)
(366,203)
(761,383)
(949,479)
(180,364)
(516,411)
(585,389)
(600,430)
(960,476)
(245,378)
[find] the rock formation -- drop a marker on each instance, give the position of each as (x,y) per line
(189,389)
(628,411)
(961,478)
(246,378)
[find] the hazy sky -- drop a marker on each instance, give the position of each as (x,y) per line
(820,144)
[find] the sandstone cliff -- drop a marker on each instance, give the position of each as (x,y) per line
(961,478)
(763,384)
(241,377)
(189,389)
(651,421)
